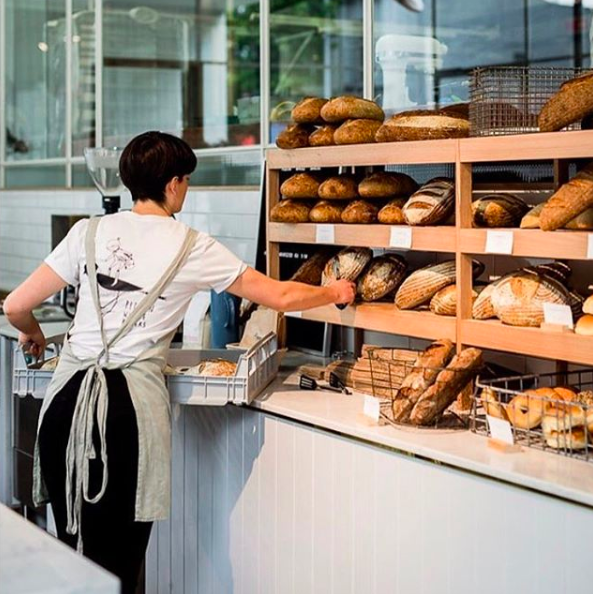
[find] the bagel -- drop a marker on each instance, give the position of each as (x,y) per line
(566,394)
(567,440)
(492,405)
(526,410)
(562,416)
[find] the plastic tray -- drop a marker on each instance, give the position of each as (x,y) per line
(256,368)
(29,379)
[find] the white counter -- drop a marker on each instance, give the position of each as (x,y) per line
(31,561)
(546,472)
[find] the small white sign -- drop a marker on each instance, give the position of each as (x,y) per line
(500,429)
(372,407)
(499,242)
(401,237)
(590,246)
(325,234)
(556,313)
(294,314)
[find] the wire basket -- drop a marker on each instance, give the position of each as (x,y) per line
(566,426)
(507,100)
(388,370)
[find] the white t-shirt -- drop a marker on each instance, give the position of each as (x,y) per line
(132,253)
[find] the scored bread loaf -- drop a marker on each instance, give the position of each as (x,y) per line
(444,302)
(338,187)
(308,110)
(423,125)
(323,136)
(294,136)
(433,203)
(348,107)
(571,103)
(360,211)
(382,184)
(357,132)
(498,210)
(392,213)
(425,370)
(327,211)
(447,385)
(582,222)
(518,300)
(300,185)
(347,264)
(573,198)
(310,271)
(290,211)
(382,276)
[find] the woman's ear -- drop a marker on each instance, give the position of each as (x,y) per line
(172,187)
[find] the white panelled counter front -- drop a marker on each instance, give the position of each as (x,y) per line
(298,494)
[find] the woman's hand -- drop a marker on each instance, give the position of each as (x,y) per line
(33,344)
(345,291)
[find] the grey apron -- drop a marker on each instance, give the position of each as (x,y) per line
(144,376)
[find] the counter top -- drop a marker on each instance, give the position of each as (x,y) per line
(548,473)
(32,561)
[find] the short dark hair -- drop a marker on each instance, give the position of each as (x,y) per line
(151,160)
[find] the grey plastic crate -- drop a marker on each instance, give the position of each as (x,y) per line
(256,368)
(29,379)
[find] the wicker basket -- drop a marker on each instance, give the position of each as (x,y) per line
(507,100)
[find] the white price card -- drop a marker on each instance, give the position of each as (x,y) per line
(590,246)
(500,429)
(499,242)
(372,407)
(556,313)
(401,237)
(294,314)
(325,234)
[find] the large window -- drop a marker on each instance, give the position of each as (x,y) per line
(78,73)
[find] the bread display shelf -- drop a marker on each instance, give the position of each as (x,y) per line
(397,153)
(434,239)
(492,334)
(384,317)
(533,243)
(540,146)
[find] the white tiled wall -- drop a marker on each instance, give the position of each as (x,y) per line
(25,223)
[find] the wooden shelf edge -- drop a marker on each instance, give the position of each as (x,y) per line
(534,342)
(519,147)
(433,239)
(384,153)
(384,317)
(531,243)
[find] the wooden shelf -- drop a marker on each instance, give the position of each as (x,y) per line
(526,147)
(384,153)
(385,317)
(433,239)
(492,334)
(532,243)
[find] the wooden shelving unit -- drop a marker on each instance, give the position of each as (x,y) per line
(462,240)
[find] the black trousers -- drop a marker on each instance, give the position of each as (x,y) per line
(111,537)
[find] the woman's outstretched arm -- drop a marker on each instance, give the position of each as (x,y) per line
(289,295)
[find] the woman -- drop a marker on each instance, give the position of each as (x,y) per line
(103,445)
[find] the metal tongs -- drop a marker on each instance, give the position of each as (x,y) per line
(307,382)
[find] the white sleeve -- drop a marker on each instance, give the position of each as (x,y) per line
(65,259)
(213,266)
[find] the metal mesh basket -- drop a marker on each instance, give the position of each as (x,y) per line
(389,368)
(507,100)
(565,427)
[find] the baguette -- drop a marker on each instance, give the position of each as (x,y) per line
(300,185)
(582,222)
(382,184)
(294,136)
(360,211)
(357,132)
(423,374)
(449,382)
(348,107)
(323,136)
(572,103)
(572,199)
(308,110)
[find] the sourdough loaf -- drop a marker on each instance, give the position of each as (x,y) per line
(444,302)
(392,213)
(308,110)
(300,185)
(323,136)
(290,211)
(348,107)
(310,271)
(327,211)
(382,184)
(498,210)
(357,132)
(423,125)
(339,187)
(433,203)
(382,276)
(360,211)
(294,136)
(347,264)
